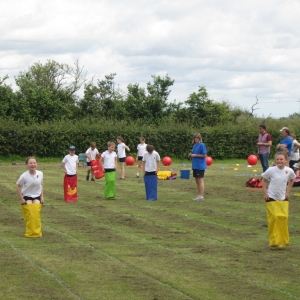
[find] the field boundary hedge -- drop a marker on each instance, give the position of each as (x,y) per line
(175,140)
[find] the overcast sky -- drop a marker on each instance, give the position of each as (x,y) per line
(239,50)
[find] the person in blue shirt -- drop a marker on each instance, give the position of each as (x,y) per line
(199,166)
(286,142)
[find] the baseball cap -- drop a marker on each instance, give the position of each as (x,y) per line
(72,148)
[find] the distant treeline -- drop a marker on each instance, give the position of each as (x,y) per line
(45,114)
(49,92)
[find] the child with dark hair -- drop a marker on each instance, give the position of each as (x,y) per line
(151,161)
(90,155)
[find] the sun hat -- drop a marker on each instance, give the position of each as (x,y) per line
(296,165)
(284,128)
(71,148)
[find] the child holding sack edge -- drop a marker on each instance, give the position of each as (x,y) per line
(109,162)
(70,164)
(30,192)
(276,196)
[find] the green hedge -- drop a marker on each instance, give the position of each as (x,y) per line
(175,140)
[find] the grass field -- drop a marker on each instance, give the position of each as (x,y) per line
(129,248)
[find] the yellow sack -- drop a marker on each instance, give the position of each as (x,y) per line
(32,220)
(278,214)
(164,174)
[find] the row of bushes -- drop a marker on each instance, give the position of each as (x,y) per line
(175,140)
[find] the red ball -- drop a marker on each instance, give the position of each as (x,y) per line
(252,160)
(129,160)
(166,161)
(209,160)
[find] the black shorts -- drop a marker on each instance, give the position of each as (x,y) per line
(140,158)
(150,173)
(88,163)
(198,173)
(122,159)
(32,198)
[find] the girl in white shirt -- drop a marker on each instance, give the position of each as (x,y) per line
(140,151)
(30,184)
(276,195)
(121,155)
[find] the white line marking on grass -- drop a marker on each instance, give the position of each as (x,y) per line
(47,272)
(262,284)
(100,251)
(116,259)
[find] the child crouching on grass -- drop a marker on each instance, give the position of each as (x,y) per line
(109,162)
(276,196)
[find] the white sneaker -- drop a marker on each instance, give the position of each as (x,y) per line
(198,198)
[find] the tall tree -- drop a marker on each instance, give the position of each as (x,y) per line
(48,91)
(200,110)
(6,98)
(103,99)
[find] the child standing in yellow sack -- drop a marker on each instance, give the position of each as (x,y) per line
(276,195)
(30,191)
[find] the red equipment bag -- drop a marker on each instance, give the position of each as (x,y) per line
(254,182)
(97,168)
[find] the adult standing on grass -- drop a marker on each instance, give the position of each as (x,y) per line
(264,146)
(199,166)
(276,196)
(286,142)
(91,154)
(30,192)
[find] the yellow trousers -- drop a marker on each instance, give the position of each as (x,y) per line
(32,220)
(277,214)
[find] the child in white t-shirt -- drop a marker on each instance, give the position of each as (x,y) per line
(276,195)
(151,160)
(109,162)
(70,162)
(141,149)
(30,184)
(122,155)
(91,154)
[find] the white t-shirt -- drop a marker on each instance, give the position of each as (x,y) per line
(295,151)
(141,149)
(121,150)
(109,159)
(71,162)
(151,161)
(278,181)
(91,153)
(31,184)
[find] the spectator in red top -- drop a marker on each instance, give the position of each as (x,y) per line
(264,146)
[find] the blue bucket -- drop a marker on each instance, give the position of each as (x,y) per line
(185,174)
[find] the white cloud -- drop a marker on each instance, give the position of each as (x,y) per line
(236,49)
